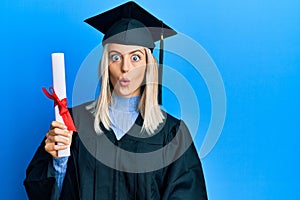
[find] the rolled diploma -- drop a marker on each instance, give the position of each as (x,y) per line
(59,85)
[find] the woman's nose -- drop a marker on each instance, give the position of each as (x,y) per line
(126,65)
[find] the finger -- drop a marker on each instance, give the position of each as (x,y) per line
(50,140)
(58,147)
(50,147)
(58,131)
(57,124)
(53,153)
(61,139)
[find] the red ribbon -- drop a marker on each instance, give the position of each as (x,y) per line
(62,107)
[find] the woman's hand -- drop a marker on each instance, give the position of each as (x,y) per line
(57,138)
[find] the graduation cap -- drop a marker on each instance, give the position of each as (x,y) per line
(130,24)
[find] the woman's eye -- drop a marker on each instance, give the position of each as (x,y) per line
(135,58)
(115,57)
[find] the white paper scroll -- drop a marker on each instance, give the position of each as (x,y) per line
(59,85)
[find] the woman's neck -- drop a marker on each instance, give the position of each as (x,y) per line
(127,104)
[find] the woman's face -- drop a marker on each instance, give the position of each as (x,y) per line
(127,66)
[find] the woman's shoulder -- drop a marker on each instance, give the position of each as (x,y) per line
(171,121)
(83,114)
(83,108)
(171,126)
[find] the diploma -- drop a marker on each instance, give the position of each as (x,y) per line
(59,86)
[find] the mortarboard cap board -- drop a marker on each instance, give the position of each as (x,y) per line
(130,24)
(125,19)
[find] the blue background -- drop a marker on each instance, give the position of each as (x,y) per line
(254,43)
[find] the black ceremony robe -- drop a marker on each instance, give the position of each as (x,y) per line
(163,166)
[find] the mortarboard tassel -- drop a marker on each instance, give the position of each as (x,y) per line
(160,69)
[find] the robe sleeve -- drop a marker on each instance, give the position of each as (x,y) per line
(40,182)
(184,179)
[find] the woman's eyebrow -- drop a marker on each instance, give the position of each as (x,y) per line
(138,50)
(114,51)
(131,52)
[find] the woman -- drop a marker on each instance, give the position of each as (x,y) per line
(125,147)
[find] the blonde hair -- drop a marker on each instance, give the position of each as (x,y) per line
(148,104)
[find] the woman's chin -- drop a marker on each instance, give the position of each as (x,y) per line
(125,92)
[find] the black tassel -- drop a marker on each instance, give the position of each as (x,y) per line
(160,69)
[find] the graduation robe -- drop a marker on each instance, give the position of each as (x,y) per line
(163,166)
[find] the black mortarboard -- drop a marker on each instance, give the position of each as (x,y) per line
(130,24)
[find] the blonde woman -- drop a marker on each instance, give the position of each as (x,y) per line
(125,146)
